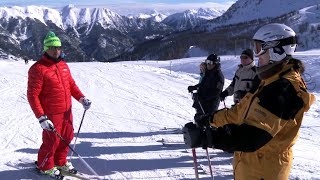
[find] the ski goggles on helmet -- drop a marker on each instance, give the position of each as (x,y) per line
(260,47)
(209,62)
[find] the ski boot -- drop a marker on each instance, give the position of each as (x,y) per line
(54,173)
(68,168)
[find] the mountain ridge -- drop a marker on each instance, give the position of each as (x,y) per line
(99,34)
(88,34)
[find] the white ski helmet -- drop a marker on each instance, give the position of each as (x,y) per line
(280,39)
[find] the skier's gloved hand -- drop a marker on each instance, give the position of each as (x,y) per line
(223,95)
(86,103)
(192,135)
(192,88)
(195,136)
(45,123)
(203,120)
(208,138)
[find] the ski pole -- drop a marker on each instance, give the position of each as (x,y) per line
(195,163)
(75,141)
(209,162)
(194,157)
(64,141)
(208,156)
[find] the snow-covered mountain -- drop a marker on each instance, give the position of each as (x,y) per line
(91,33)
(79,17)
(41,13)
(74,17)
(307,23)
(69,16)
(154,15)
(88,33)
(191,18)
(248,10)
(232,32)
(301,15)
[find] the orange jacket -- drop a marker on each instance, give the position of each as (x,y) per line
(269,158)
(50,87)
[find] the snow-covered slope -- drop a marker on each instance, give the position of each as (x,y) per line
(132,103)
(307,24)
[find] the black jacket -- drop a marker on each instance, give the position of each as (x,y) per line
(209,90)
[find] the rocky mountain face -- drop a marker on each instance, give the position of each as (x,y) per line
(232,32)
(191,18)
(87,34)
(98,34)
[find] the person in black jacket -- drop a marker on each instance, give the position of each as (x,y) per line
(207,98)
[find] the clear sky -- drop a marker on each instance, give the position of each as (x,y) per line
(116,5)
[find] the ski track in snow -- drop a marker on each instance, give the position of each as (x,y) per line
(121,134)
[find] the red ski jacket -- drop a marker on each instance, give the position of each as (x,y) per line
(50,87)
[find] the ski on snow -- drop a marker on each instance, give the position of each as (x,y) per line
(66,175)
(172,130)
(165,142)
(204,168)
(78,175)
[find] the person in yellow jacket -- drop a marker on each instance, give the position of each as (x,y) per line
(264,125)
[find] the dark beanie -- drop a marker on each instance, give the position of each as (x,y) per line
(248,52)
(214,57)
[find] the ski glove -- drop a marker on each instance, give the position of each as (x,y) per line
(223,95)
(192,88)
(86,103)
(195,136)
(45,123)
(192,135)
(203,120)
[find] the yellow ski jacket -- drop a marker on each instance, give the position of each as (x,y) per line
(268,122)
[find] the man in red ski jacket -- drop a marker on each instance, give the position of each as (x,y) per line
(50,87)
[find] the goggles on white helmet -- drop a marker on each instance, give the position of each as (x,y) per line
(279,39)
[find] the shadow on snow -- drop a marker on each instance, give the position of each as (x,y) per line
(105,167)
